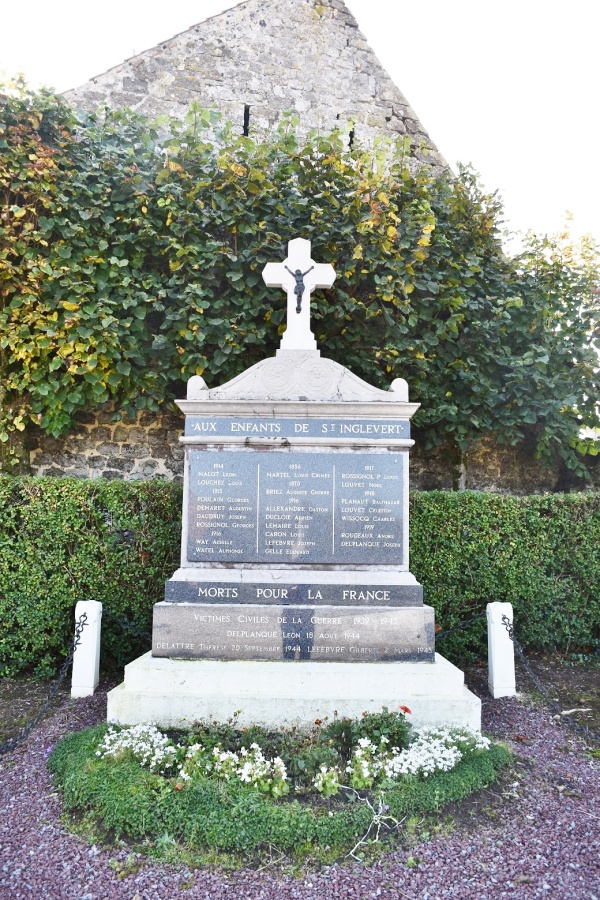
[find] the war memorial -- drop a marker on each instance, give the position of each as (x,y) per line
(294,599)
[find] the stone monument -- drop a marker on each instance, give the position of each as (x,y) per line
(294,599)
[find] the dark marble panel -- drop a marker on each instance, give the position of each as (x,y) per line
(328,633)
(253,426)
(286,594)
(286,507)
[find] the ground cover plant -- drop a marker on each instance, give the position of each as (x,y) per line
(219,789)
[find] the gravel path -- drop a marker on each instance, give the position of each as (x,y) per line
(544,841)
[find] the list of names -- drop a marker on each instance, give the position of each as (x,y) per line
(307,507)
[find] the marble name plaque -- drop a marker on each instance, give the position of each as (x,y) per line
(286,594)
(232,631)
(303,507)
(248,426)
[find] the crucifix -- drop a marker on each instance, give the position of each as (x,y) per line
(298,275)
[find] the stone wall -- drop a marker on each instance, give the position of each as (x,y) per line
(492,467)
(149,448)
(104,448)
(258,60)
(253,63)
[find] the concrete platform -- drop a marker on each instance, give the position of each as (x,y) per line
(178,692)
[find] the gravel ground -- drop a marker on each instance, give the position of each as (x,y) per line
(535,835)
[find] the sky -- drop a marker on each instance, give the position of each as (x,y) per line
(510,86)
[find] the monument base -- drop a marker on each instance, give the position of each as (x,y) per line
(235,631)
(175,693)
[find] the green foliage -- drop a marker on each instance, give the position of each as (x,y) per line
(132,252)
(540,553)
(303,752)
(128,801)
(63,540)
(387,724)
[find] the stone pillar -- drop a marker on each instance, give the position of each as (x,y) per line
(501,652)
(86,659)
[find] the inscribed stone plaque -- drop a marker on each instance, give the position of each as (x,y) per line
(251,426)
(311,507)
(234,631)
(286,594)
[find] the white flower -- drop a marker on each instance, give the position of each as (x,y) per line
(151,748)
(434,749)
(327,780)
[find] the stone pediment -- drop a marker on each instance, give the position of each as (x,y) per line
(297,375)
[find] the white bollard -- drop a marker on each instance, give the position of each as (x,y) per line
(501,651)
(86,659)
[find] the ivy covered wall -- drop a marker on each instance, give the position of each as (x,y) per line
(131,255)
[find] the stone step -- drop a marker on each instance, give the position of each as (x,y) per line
(176,692)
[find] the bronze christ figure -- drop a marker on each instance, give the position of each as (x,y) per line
(299,289)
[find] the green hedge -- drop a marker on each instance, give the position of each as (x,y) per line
(63,540)
(540,553)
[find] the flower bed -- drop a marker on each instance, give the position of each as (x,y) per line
(221,788)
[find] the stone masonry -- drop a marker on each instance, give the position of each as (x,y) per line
(253,63)
(149,448)
(260,59)
(104,448)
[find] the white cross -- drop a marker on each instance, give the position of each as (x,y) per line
(299,276)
